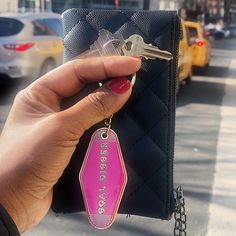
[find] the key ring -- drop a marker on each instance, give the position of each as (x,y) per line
(133,79)
(108,125)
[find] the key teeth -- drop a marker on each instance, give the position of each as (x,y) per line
(167,57)
(147,51)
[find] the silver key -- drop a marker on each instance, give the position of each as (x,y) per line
(135,46)
(107,44)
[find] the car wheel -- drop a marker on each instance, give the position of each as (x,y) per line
(188,80)
(177,87)
(208,64)
(47,66)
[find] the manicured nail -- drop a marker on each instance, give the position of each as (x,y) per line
(119,85)
(137,57)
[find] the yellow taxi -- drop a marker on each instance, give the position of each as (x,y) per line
(185,59)
(200,46)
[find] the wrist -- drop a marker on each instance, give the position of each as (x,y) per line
(7,223)
(15,209)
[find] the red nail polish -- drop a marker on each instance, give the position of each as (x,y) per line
(119,85)
(137,57)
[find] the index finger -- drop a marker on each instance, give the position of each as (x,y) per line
(71,77)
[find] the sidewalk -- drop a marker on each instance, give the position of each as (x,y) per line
(222,210)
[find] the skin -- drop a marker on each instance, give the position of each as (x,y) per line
(39,139)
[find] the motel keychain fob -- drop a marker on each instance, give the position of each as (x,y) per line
(103,178)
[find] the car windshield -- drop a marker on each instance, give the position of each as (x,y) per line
(10,26)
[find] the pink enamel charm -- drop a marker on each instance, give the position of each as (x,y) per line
(103,178)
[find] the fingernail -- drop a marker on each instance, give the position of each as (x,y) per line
(137,57)
(119,85)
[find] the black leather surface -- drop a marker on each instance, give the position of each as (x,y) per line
(145,126)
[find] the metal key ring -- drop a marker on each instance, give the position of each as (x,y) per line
(133,80)
(108,125)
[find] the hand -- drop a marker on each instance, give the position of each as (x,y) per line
(39,139)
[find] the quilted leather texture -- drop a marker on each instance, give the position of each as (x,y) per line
(145,126)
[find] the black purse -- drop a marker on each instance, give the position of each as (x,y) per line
(145,126)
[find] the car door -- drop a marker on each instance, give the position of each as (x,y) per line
(193,36)
(185,61)
(48,34)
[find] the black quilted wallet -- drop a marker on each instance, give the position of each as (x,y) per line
(145,126)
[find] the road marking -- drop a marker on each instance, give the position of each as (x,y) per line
(222,58)
(233,64)
(209,79)
(223,52)
(222,214)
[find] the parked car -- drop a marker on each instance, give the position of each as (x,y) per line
(221,33)
(30,44)
(185,59)
(232,31)
(216,31)
(200,46)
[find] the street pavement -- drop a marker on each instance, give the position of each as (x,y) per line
(222,215)
(205,164)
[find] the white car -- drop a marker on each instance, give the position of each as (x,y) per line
(30,45)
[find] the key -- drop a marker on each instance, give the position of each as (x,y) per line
(107,44)
(135,46)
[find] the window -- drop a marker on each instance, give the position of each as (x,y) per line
(187,34)
(192,32)
(47,27)
(10,26)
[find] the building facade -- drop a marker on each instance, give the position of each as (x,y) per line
(25,5)
(164,4)
(8,5)
(211,10)
(202,10)
(61,5)
(214,10)
(230,12)
(205,10)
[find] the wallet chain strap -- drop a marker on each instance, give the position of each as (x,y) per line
(180,214)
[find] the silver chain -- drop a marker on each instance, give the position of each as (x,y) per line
(180,214)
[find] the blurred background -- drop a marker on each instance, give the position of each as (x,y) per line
(31,45)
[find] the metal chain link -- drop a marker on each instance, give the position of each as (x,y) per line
(180,214)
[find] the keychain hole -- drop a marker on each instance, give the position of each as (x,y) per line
(128,46)
(104,135)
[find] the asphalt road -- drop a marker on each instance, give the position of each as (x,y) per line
(198,122)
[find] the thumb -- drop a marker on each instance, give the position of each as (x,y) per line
(97,106)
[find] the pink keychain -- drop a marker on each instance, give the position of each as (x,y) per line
(103,177)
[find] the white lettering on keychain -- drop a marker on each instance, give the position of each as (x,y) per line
(103,178)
